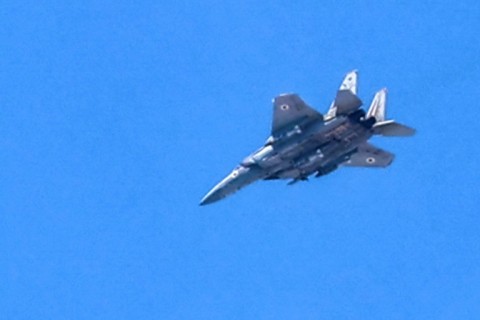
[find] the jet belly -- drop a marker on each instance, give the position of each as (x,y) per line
(303,148)
(289,149)
(331,148)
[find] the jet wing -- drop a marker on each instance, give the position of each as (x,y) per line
(289,110)
(370,156)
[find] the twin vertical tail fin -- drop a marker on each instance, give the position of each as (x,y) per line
(378,106)
(346,100)
(388,128)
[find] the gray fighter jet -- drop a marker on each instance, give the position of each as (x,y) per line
(304,142)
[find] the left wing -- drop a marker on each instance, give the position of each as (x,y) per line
(289,110)
(370,156)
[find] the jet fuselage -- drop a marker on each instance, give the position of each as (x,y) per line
(318,148)
(304,142)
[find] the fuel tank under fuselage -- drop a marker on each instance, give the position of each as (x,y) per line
(317,147)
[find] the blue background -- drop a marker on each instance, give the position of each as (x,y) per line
(116,117)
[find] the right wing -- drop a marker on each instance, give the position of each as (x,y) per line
(370,156)
(289,110)
(346,100)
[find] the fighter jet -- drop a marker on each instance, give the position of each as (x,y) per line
(303,142)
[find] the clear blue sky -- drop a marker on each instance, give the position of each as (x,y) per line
(116,117)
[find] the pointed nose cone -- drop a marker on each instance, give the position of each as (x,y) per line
(214,195)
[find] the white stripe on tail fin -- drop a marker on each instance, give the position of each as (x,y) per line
(378,107)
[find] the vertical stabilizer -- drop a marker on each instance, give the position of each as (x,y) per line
(378,107)
(350,82)
(346,100)
(387,128)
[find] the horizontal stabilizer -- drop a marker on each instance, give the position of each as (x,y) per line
(392,129)
(370,156)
